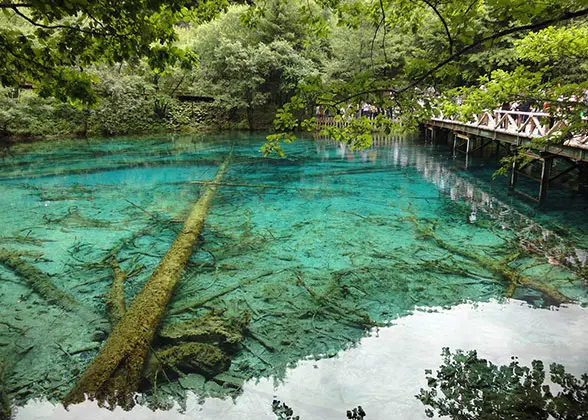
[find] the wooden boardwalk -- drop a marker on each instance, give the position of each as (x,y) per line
(517,130)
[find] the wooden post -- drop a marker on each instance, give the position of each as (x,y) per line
(454,142)
(513,171)
(583,177)
(547,163)
(482,145)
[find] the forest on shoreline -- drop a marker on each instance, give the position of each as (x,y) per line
(271,65)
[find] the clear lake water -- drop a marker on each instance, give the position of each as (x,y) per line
(353,269)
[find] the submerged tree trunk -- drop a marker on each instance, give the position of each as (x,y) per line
(514,278)
(37,280)
(115,373)
(42,284)
(5,408)
(115,299)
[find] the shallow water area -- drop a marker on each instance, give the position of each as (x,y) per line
(308,252)
(384,371)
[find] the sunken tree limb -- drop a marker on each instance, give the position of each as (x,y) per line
(37,280)
(513,277)
(114,375)
(5,408)
(115,299)
(42,284)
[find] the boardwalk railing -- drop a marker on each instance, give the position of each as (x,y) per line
(328,121)
(323,121)
(514,123)
(520,124)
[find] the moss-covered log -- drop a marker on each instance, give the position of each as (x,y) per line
(513,277)
(115,373)
(202,358)
(37,280)
(115,299)
(226,334)
(5,408)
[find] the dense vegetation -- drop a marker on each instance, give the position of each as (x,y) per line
(90,68)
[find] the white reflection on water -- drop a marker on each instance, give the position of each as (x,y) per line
(386,370)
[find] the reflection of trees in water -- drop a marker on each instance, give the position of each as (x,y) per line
(531,236)
(522,246)
(466,387)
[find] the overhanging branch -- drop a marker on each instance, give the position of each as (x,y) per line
(12,6)
(530,27)
(442,19)
(40,25)
(469,48)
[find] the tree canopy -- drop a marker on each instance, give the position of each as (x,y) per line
(526,49)
(51,43)
(282,59)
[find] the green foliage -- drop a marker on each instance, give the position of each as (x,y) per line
(52,43)
(419,50)
(132,100)
(277,60)
(255,68)
(554,44)
(501,86)
(467,387)
(356,133)
(27,114)
(126,106)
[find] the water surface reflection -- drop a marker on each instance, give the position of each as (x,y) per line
(310,250)
(383,372)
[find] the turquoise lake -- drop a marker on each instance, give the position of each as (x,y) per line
(313,250)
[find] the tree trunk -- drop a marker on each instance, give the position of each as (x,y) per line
(113,377)
(249,113)
(37,280)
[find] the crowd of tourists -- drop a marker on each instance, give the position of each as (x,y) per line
(549,107)
(363,109)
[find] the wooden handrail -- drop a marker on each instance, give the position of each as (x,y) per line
(529,124)
(520,124)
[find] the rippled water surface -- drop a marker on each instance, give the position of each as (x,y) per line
(310,252)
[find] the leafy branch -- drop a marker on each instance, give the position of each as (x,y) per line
(471,47)
(40,25)
(442,19)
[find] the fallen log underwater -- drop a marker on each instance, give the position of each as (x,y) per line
(501,268)
(115,374)
(42,284)
(37,280)
(5,406)
(115,299)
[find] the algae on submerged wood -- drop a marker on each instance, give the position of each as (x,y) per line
(115,299)
(501,268)
(37,280)
(115,373)
(202,358)
(42,284)
(5,408)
